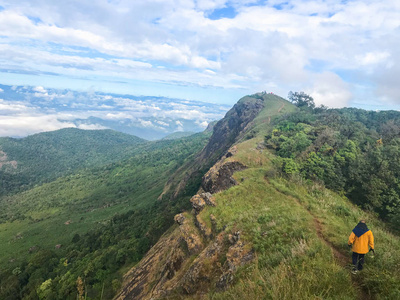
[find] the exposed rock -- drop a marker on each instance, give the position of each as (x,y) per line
(209,199)
(237,256)
(159,264)
(58,246)
(168,268)
(203,268)
(261,146)
(201,225)
(234,238)
(190,237)
(179,218)
(219,177)
(198,203)
(5,162)
(231,152)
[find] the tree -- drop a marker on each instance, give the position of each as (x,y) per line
(301,99)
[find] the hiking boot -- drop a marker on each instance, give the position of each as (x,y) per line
(354,271)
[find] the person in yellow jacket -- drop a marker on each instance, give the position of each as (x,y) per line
(361,241)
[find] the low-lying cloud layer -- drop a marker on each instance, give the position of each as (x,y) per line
(29,110)
(331,49)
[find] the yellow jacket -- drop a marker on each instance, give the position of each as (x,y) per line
(361,243)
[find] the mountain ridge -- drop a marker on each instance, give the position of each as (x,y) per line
(262,231)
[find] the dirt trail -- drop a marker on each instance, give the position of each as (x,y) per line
(280,108)
(341,258)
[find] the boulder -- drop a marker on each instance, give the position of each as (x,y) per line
(198,203)
(208,198)
(179,218)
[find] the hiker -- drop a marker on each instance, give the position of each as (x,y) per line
(359,240)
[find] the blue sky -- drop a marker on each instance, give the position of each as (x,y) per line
(343,53)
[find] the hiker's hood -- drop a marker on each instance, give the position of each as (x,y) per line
(360,229)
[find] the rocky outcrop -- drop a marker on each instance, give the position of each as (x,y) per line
(158,261)
(238,255)
(190,235)
(219,177)
(179,219)
(209,199)
(198,203)
(199,255)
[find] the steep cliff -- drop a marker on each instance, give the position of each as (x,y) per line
(226,132)
(195,255)
(199,253)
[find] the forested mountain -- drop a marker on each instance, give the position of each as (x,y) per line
(275,190)
(96,221)
(351,151)
(46,156)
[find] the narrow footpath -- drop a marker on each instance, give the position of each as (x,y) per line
(341,258)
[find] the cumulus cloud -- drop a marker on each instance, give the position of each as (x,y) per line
(329,89)
(23,125)
(282,46)
(39,89)
(91,126)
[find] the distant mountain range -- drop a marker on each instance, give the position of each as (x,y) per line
(149,118)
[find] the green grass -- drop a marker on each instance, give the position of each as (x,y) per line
(291,260)
(272,105)
(339,216)
(277,218)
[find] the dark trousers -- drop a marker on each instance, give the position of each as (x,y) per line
(358,260)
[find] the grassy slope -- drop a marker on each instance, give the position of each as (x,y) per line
(86,198)
(299,232)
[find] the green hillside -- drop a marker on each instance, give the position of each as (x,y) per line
(298,230)
(298,227)
(109,214)
(46,156)
(178,135)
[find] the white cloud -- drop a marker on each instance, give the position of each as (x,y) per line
(145,123)
(174,42)
(329,89)
(22,125)
(39,89)
(161,123)
(91,126)
(117,116)
(203,124)
(1,90)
